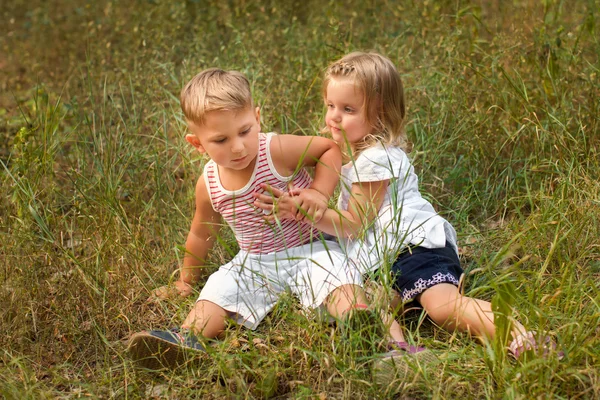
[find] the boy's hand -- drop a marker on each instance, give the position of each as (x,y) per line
(184,289)
(167,292)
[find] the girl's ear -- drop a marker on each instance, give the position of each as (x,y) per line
(194,141)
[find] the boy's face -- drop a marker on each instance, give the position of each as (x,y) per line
(230,138)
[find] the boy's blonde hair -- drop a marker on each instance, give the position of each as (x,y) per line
(215,90)
(384,105)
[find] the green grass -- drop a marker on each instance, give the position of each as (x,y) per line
(98,185)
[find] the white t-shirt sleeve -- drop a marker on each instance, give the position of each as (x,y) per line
(378,164)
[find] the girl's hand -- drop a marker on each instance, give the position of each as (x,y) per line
(313,202)
(306,205)
(275,202)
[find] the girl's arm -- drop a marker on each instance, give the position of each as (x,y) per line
(365,200)
(290,153)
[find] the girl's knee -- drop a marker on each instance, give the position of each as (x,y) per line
(441,314)
(439,295)
(441,303)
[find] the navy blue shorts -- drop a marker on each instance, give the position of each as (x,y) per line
(420,268)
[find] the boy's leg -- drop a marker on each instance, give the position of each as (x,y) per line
(235,287)
(239,290)
(343,299)
(158,349)
(206,319)
(321,276)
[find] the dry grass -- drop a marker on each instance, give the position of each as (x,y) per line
(98,183)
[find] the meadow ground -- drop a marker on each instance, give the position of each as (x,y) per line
(97,186)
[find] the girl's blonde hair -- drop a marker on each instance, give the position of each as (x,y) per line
(383,94)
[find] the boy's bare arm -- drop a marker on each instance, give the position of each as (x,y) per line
(200,239)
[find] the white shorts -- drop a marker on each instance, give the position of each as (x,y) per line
(250,284)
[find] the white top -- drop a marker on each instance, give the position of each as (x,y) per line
(405,217)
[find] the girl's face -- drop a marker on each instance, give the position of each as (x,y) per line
(346,117)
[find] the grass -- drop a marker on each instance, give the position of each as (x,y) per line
(503,111)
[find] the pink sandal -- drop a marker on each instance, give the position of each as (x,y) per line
(405,347)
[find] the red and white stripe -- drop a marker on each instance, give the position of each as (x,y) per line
(252,231)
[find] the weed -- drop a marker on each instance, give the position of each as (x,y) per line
(98,183)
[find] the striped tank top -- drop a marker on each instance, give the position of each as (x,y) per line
(253,233)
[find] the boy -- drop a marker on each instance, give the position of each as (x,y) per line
(274,256)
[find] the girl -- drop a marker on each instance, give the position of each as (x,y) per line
(380,209)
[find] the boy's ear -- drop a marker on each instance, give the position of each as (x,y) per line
(194,141)
(257,113)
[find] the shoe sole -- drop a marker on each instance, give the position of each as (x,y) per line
(154,353)
(403,368)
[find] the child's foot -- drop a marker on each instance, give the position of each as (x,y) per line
(530,342)
(400,364)
(159,349)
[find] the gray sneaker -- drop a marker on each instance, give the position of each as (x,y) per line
(159,349)
(401,365)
